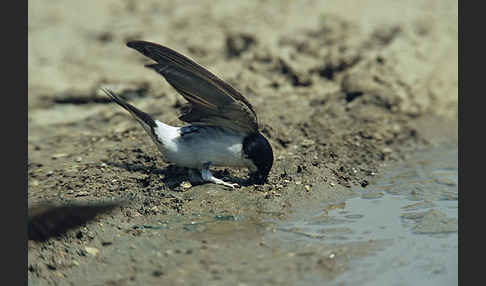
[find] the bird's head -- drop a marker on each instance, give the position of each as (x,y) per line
(257,149)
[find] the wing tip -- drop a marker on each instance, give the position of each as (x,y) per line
(144,47)
(135,44)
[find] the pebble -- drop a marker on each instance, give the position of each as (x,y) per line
(157,273)
(49,173)
(91,250)
(307,188)
(169,252)
(79,159)
(185,185)
(57,156)
(91,234)
(396,128)
(82,194)
(307,142)
(387,150)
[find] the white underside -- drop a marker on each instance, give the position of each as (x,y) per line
(208,145)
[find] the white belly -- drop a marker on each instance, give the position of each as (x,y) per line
(193,150)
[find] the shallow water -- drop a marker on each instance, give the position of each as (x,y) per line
(412,209)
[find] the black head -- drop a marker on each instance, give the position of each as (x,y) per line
(258,150)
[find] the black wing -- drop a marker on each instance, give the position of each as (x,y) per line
(212,101)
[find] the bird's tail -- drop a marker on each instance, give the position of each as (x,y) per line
(143,118)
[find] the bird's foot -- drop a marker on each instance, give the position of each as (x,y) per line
(208,177)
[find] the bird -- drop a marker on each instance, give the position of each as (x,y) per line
(222,126)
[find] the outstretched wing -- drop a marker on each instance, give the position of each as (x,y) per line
(211,100)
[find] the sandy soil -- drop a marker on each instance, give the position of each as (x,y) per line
(341,88)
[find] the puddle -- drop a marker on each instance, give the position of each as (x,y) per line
(413,207)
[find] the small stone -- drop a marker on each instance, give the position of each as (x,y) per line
(307,188)
(50,173)
(307,143)
(386,150)
(91,234)
(396,128)
(169,252)
(185,185)
(157,273)
(91,250)
(57,156)
(82,194)
(79,159)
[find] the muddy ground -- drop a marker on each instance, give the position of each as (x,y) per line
(341,88)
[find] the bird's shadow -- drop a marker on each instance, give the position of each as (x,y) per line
(46,220)
(172,176)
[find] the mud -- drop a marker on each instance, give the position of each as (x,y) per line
(341,89)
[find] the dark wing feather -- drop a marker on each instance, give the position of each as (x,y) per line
(212,101)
